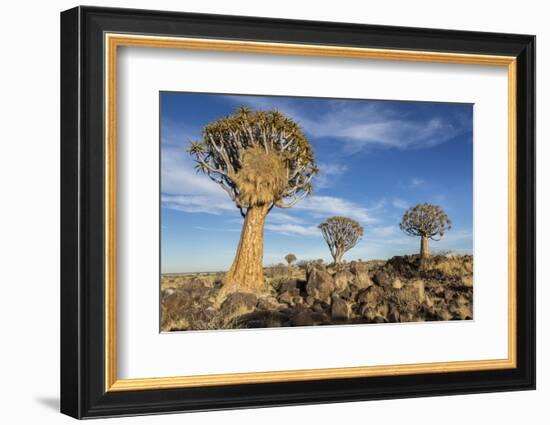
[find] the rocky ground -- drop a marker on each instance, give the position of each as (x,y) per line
(397,290)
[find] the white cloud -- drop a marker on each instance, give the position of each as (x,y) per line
(400,204)
(196,204)
(415,182)
(333,169)
(327,174)
(293,229)
(185,190)
(220,229)
(457,236)
(383,231)
(364,125)
(279,217)
(326,206)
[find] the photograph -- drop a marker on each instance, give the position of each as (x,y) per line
(279,211)
(283,210)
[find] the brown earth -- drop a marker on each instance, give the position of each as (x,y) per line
(397,290)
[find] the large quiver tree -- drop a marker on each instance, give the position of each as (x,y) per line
(341,234)
(426,221)
(262,160)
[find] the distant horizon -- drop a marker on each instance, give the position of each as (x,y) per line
(326,261)
(376,159)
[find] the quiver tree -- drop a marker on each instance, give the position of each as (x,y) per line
(341,234)
(290,258)
(427,221)
(262,160)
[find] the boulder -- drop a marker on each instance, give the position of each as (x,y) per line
(397,284)
(297,300)
(429,302)
(382,278)
(418,286)
(320,306)
(340,309)
(370,296)
(308,318)
(196,291)
(362,279)
(342,279)
(394,315)
(444,314)
(269,303)
(197,283)
(357,267)
(375,313)
(302,318)
(461,312)
(467,281)
(320,284)
(238,304)
(165,293)
(262,319)
(289,286)
(286,298)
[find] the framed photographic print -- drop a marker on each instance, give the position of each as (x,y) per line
(261,212)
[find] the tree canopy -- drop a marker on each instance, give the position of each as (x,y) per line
(290,258)
(341,234)
(425,220)
(258,157)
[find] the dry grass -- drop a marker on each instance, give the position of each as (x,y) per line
(450,265)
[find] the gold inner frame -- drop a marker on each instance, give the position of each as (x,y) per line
(113,41)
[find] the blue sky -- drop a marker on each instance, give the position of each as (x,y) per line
(377,158)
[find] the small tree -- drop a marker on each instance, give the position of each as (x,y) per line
(427,221)
(290,258)
(341,234)
(262,160)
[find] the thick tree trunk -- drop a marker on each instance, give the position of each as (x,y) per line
(338,256)
(246,273)
(424,247)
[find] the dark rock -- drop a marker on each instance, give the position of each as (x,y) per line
(309,318)
(197,283)
(320,284)
(342,279)
(340,309)
(449,295)
(297,300)
(382,278)
(372,295)
(289,286)
(406,266)
(362,279)
(302,318)
(358,267)
(394,314)
(238,304)
(262,319)
(286,298)
(467,281)
(268,303)
(375,313)
(323,305)
(397,284)
(419,287)
(166,293)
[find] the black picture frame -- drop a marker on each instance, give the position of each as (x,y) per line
(83,392)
